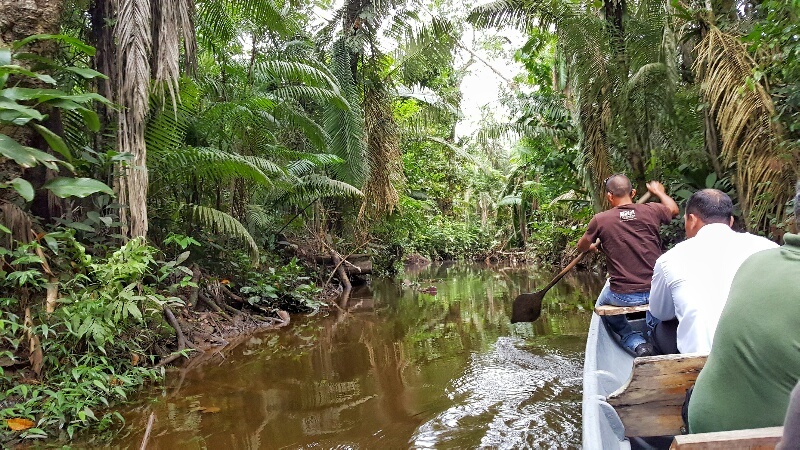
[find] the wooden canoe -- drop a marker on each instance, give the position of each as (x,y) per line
(646,394)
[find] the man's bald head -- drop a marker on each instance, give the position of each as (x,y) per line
(619,185)
(710,206)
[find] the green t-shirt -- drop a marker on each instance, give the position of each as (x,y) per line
(755,357)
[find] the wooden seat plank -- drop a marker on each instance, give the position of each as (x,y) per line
(609,310)
(758,438)
(649,404)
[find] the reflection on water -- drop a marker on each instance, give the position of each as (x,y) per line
(392,368)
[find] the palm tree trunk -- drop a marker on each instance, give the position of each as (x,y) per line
(134,43)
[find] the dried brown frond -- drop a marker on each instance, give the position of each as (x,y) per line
(16,220)
(132,33)
(166,47)
(185,19)
(173,23)
(594,144)
(751,139)
(383,154)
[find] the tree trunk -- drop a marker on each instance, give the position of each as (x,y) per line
(18,20)
(22,18)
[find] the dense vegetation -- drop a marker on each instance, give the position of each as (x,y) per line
(164,158)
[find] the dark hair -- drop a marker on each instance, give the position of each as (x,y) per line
(618,185)
(710,206)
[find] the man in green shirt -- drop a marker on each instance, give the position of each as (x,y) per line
(755,357)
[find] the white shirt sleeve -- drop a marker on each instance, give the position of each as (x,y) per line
(662,306)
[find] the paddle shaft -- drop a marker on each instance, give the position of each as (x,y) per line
(578,258)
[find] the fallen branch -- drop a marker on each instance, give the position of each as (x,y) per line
(230,308)
(147,431)
(340,272)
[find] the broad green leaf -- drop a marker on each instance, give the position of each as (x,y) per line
(5,56)
(4,229)
(76,187)
(711,180)
(81,226)
(90,119)
(53,96)
(87,323)
(133,310)
(51,242)
(7,106)
(87,73)
(25,156)
(54,141)
(12,68)
(75,43)
(23,188)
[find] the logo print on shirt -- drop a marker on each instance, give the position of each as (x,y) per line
(627,215)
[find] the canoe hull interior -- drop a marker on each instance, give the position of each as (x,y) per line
(606,368)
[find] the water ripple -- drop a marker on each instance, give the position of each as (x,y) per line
(509,397)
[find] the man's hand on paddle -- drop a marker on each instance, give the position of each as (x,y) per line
(657,189)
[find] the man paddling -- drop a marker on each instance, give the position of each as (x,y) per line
(630,237)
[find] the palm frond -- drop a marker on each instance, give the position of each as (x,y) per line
(383,150)
(319,95)
(525,15)
(220,222)
(743,111)
(215,165)
(344,126)
(282,71)
(299,119)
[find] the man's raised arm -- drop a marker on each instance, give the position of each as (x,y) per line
(657,189)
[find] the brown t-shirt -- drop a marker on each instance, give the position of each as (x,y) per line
(631,241)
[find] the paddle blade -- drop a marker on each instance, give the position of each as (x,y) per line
(527,307)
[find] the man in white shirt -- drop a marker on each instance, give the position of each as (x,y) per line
(691,281)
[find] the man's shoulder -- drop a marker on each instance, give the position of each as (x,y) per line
(756,240)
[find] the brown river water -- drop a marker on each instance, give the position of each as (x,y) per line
(394,368)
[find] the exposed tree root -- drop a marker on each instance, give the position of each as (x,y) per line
(183,343)
(195,289)
(213,305)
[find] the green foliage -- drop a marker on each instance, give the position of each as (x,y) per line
(417,229)
(23,107)
(281,287)
(96,346)
(774,35)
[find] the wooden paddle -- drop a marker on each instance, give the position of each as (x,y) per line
(528,307)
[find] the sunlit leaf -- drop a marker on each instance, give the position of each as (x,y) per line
(75,43)
(54,141)
(76,187)
(87,73)
(26,157)
(23,188)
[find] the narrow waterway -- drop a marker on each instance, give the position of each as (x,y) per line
(392,368)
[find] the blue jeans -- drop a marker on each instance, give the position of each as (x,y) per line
(619,324)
